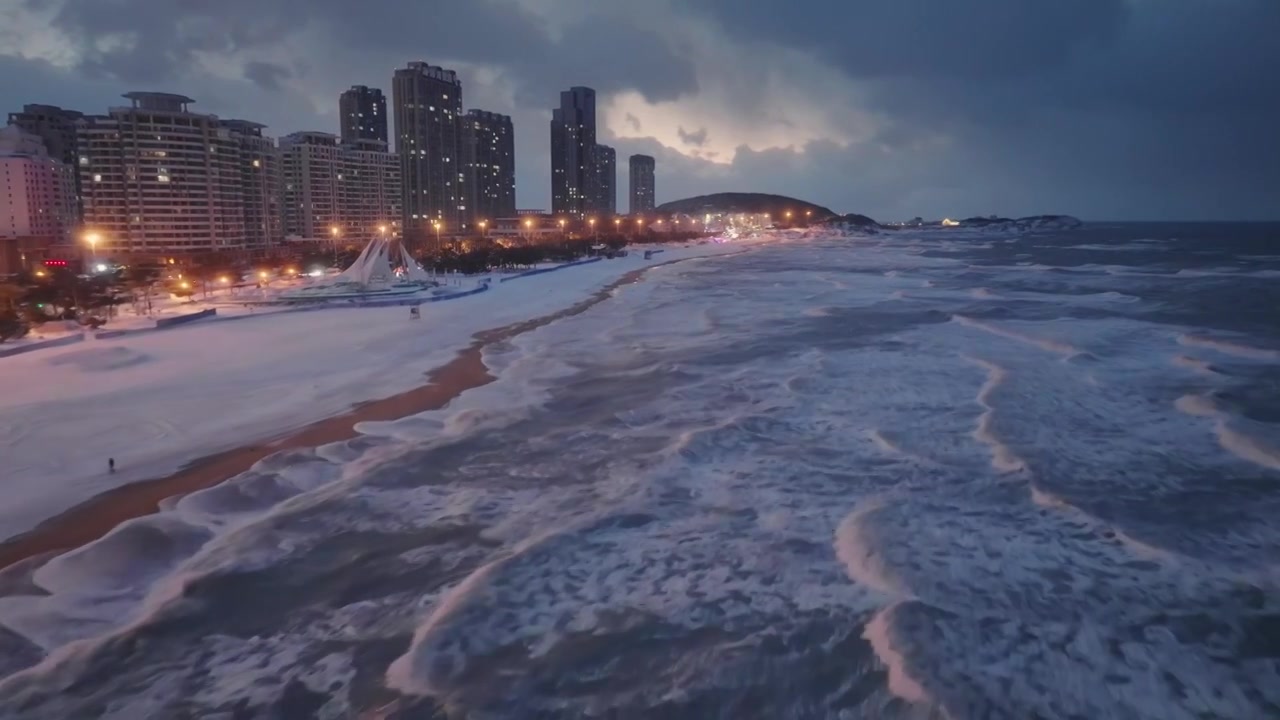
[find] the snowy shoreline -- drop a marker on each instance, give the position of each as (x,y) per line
(159,402)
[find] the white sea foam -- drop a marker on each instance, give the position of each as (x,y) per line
(1045,344)
(879,633)
(1228,347)
(860,560)
(1238,443)
(1195,364)
(1003,458)
(1248,447)
(983,294)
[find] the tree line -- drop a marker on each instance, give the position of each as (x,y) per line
(47,294)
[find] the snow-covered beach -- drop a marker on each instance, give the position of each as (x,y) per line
(157,401)
(902,475)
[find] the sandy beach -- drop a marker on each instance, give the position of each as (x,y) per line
(98,515)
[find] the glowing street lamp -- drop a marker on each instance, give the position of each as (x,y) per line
(382,230)
(92,238)
(483,224)
(436,224)
(592,223)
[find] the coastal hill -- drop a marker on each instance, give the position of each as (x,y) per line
(776,205)
(1034,222)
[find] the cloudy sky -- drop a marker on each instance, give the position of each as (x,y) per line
(1106,109)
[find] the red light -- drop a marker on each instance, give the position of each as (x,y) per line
(55,263)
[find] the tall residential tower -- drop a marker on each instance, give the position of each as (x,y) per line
(488,152)
(641,168)
(573,142)
(57,128)
(606,182)
(160,179)
(427,102)
(363,114)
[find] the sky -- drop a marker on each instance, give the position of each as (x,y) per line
(1103,109)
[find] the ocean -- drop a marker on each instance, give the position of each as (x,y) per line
(920,474)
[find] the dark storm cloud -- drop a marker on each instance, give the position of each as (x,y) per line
(164,35)
(697,138)
(929,38)
(1104,108)
(268,76)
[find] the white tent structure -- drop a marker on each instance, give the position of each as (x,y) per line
(373,269)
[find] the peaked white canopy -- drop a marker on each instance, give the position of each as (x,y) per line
(374,266)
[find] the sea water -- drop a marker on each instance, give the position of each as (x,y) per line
(910,475)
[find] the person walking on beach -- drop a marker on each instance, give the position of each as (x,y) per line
(111,465)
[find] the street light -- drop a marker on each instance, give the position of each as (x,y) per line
(92,238)
(436,224)
(334,232)
(482,224)
(592,223)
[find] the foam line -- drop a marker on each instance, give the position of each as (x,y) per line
(1226,347)
(1003,459)
(878,633)
(1243,446)
(1047,345)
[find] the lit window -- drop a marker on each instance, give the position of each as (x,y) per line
(97,178)
(257,163)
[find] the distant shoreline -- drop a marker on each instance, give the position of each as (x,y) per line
(99,515)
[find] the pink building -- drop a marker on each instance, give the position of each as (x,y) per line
(37,193)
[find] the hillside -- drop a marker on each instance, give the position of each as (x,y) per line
(776,205)
(1034,222)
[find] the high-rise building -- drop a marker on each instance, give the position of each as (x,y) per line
(488,150)
(259,165)
(573,141)
(363,114)
(368,191)
(641,169)
(37,193)
(351,189)
(57,128)
(605,162)
(427,102)
(310,165)
(160,179)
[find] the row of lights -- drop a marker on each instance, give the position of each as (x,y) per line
(93,238)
